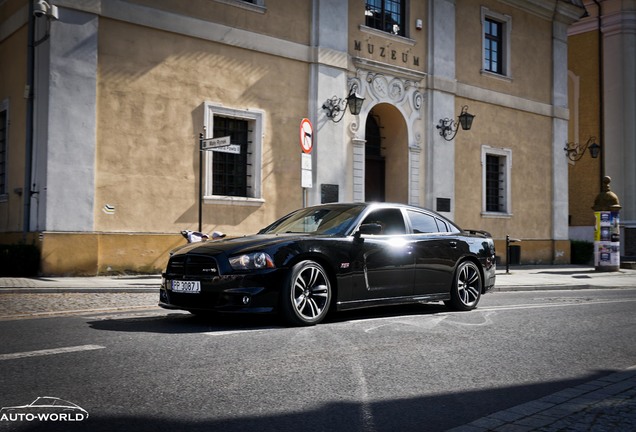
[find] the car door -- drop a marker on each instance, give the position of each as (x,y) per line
(435,251)
(384,260)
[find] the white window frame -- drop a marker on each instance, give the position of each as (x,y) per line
(506,20)
(507,176)
(255,119)
(4,195)
(257,6)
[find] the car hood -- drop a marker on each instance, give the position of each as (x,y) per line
(240,244)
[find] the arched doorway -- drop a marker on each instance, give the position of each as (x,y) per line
(386,155)
(374,161)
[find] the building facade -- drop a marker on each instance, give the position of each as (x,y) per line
(602,67)
(104,105)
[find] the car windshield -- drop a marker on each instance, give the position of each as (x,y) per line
(316,220)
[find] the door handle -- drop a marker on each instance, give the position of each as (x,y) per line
(453,244)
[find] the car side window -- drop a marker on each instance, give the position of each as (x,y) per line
(391,221)
(422,222)
(441,225)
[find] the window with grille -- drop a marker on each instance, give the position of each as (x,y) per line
(229,170)
(496,164)
(4,128)
(496,42)
(494,184)
(233,172)
(386,15)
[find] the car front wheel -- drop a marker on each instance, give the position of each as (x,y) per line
(467,287)
(307,294)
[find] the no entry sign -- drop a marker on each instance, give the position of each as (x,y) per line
(306,136)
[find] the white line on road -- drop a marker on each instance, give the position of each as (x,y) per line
(53,351)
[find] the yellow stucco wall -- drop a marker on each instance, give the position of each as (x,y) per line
(12,87)
(583,175)
(531,39)
(151,89)
(105,253)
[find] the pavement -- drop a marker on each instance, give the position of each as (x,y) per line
(607,404)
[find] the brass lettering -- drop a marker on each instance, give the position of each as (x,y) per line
(357,45)
(382,53)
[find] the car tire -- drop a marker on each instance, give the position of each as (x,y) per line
(306,295)
(467,287)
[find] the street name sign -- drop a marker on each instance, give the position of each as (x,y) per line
(212,143)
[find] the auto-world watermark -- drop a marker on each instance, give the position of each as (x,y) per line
(44,409)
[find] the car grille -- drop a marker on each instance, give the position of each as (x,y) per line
(192,266)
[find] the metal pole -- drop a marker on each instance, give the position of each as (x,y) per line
(507,254)
(200,180)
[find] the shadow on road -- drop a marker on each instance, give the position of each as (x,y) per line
(185,323)
(430,413)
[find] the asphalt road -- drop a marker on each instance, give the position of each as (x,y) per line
(417,368)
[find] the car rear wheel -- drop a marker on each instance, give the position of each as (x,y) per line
(467,287)
(307,294)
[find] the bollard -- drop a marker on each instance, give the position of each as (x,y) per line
(508,241)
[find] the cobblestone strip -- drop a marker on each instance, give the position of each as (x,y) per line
(607,404)
(14,306)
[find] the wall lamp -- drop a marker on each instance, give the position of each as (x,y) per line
(336,107)
(575,151)
(42,8)
(447,127)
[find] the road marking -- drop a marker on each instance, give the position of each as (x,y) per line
(13,356)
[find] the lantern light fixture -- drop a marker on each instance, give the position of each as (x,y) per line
(448,128)
(336,107)
(575,151)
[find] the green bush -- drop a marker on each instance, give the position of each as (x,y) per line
(19,260)
(581,252)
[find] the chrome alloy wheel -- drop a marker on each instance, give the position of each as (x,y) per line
(467,288)
(309,294)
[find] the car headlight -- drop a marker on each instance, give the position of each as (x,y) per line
(252,261)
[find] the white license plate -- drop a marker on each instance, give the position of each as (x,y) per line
(186,286)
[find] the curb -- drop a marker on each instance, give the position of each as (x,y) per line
(59,290)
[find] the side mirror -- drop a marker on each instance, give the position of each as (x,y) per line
(369,229)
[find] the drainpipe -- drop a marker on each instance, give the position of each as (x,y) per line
(26,221)
(601,109)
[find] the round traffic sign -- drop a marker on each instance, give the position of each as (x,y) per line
(306,135)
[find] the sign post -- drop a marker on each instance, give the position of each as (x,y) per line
(221,144)
(306,145)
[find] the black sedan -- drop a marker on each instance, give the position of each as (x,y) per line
(334,256)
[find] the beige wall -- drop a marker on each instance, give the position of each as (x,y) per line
(529,137)
(151,89)
(584,175)
(284,19)
(531,48)
(12,86)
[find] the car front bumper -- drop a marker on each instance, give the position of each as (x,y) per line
(257,292)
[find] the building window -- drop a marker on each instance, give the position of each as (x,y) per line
(234,172)
(496,172)
(386,15)
(4,134)
(493,46)
(251,5)
(496,42)
(229,167)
